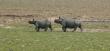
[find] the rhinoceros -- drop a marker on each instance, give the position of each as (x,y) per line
(69,23)
(41,24)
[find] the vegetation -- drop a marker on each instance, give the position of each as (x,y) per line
(26,39)
(89,8)
(16,35)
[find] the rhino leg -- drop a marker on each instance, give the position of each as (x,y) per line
(37,30)
(50,27)
(74,29)
(46,29)
(64,29)
(80,26)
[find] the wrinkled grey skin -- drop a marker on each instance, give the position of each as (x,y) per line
(69,23)
(41,24)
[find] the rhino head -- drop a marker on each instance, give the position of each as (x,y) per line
(32,22)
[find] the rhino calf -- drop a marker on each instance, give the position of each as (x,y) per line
(41,24)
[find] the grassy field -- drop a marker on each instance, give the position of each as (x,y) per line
(23,38)
(17,35)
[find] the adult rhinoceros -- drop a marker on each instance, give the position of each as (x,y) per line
(69,23)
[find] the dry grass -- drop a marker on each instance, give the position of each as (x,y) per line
(54,8)
(18,11)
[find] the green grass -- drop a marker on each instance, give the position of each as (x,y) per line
(26,39)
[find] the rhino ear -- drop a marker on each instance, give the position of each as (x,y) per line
(59,17)
(33,20)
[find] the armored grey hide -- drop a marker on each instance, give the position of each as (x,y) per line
(41,24)
(69,23)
